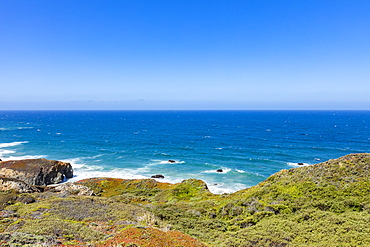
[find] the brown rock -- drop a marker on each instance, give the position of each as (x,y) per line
(36,171)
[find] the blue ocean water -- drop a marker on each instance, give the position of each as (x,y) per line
(248,146)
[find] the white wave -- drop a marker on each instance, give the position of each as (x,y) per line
(222,188)
(240,171)
(96,156)
(75,162)
(117,173)
(169,179)
(91,168)
(297,164)
(162,154)
(15,128)
(11,144)
(83,170)
(6,152)
(168,162)
(219,190)
(23,128)
(224,170)
(25,157)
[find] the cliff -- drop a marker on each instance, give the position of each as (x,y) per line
(326,204)
(36,171)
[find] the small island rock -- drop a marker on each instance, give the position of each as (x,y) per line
(157,176)
(219,170)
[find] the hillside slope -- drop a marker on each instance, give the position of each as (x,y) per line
(326,204)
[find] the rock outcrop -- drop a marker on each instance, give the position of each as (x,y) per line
(36,171)
(25,239)
(16,185)
(73,189)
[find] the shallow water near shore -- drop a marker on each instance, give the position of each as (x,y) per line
(248,146)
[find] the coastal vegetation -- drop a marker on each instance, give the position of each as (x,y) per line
(326,204)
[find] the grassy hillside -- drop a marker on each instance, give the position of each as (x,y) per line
(327,204)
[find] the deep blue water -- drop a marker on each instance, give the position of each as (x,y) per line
(248,145)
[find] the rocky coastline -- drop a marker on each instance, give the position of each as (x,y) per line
(326,204)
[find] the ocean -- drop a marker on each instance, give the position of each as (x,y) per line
(248,146)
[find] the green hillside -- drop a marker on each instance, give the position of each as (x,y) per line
(327,204)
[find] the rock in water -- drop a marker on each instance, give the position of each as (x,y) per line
(157,176)
(36,171)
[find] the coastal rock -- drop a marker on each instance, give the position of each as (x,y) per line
(171,161)
(73,189)
(157,176)
(36,171)
(26,239)
(219,170)
(300,164)
(16,185)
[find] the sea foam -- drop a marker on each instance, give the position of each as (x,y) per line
(11,144)
(297,164)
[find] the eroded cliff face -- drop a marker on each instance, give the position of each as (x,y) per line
(36,171)
(16,185)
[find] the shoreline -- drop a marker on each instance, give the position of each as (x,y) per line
(291,207)
(247,146)
(121,173)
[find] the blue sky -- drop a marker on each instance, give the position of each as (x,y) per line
(122,55)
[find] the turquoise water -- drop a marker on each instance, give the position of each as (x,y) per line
(248,146)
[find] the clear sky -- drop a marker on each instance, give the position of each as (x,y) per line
(136,54)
